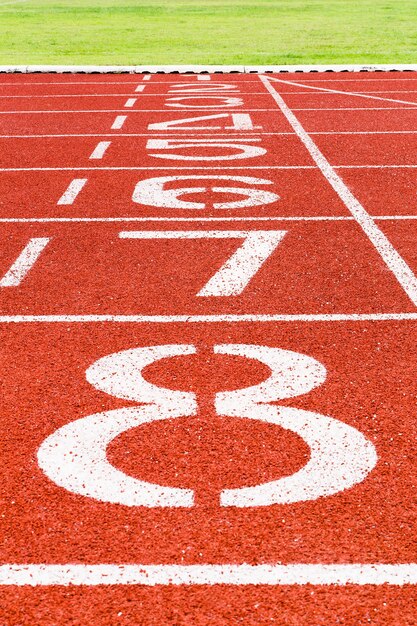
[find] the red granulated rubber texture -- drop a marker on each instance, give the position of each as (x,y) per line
(320,267)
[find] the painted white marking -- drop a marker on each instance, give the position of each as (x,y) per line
(248,218)
(140,111)
(72,191)
(240,121)
(358,94)
(221,135)
(387,108)
(335,574)
(340,455)
(140,88)
(218,102)
(74,456)
(100,150)
(24,262)
(118,122)
(386,250)
(192,88)
(244,151)
(234,276)
(203,77)
(152,192)
(147,77)
(180,167)
(209,319)
(130,102)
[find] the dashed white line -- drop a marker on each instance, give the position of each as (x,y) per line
(72,191)
(118,122)
(140,88)
(100,150)
(24,262)
(130,102)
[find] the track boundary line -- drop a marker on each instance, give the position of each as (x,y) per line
(248,218)
(215,318)
(205,69)
(391,257)
(339,574)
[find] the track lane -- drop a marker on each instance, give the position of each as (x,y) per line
(370,385)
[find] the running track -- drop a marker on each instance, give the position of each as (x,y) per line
(209,298)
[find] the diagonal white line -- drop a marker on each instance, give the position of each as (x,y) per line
(24,262)
(388,253)
(337,91)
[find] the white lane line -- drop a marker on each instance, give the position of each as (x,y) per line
(205,167)
(151,168)
(387,108)
(246,133)
(339,574)
(274,218)
(358,94)
(24,262)
(185,234)
(386,250)
(72,191)
(130,102)
(140,88)
(100,150)
(118,122)
(72,82)
(207,319)
(240,110)
(171,134)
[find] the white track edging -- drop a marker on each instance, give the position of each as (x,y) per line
(339,574)
(200,69)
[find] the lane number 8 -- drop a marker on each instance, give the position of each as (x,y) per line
(74,457)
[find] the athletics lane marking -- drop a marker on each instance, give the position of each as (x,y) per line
(386,250)
(243,574)
(72,191)
(100,150)
(118,122)
(209,319)
(24,262)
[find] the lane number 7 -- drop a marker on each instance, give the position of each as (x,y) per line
(236,273)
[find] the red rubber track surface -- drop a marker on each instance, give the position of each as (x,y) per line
(338,287)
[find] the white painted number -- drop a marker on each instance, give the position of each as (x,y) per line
(240,121)
(193,88)
(234,276)
(74,457)
(153,192)
(240,150)
(185,102)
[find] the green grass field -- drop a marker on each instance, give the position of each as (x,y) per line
(207,31)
